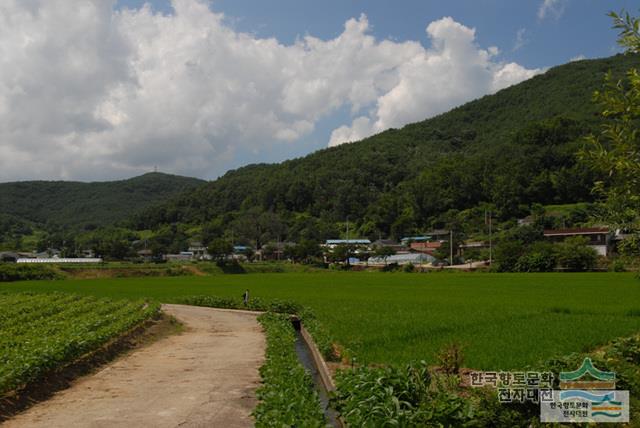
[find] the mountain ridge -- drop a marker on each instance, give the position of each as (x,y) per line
(505,152)
(517,147)
(79,205)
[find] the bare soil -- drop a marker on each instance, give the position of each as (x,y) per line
(205,376)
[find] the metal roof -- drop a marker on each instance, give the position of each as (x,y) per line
(576,231)
(347,241)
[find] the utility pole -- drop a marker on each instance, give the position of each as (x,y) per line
(347,229)
(451,247)
(490,241)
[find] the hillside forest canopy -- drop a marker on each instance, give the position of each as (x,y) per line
(512,154)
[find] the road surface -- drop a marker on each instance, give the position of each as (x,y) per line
(205,376)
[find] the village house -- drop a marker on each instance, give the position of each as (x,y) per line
(199,251)
(599,238)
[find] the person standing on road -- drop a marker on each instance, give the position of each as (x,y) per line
(245,297)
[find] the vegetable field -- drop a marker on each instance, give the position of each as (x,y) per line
(42,332)
(503,321)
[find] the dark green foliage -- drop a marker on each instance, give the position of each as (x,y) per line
(541,257)
(575,255)
(287,396)
(306,251)
(409,267)
(20,272)
(511,251)
(342,253)
(84,206)
(112,243)
(211,302)
(511,150)
(411,396)
(12,229)
(255,304)
(630,246)
(220,249)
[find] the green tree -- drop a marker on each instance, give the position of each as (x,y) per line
(384,252)
(307,250)
(219,249)
(615,152)
(342,253)
(540,257)
(630,246)
(575,255)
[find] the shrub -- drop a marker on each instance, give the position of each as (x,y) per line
(409,267)
(617,266)
(20,272)
(630,246)
(210,301)
(540,258)
(575,255)
(450,358)
(391,267)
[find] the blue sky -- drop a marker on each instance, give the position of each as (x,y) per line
(570,29)
(196,88)
(582,28)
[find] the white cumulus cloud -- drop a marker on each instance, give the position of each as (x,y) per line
(454,70)
(90,92)
(553,8)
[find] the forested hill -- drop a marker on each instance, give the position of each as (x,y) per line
(78,206)
(510,149)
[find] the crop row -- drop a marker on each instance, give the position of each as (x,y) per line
(287,396)
(47,331)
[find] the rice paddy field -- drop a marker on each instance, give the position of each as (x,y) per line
(503,321)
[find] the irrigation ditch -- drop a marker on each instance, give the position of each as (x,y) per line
(311,359)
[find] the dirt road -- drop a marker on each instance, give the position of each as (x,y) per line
(204,377)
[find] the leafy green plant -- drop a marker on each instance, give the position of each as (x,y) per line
(287,396)
(401,396)
(43,332)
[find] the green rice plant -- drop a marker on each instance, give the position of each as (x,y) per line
(505,321)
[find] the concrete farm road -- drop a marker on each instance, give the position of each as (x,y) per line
(205,376)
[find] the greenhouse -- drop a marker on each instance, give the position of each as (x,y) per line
(403,259)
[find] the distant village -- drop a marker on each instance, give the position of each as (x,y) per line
(430,249)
